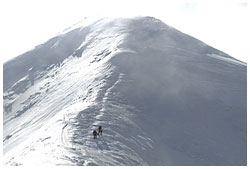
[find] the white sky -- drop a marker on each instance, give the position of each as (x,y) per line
(219,23)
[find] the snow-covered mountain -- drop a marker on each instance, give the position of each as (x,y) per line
(161,96)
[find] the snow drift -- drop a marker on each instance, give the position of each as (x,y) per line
(162,97)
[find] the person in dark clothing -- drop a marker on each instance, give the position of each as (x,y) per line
(100,130)
(94,134)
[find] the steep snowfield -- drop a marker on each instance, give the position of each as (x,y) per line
(162,97)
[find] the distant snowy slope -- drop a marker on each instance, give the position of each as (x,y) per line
(162,97)
(53,51)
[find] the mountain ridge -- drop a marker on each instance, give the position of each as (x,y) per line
(78,32)
(162,97)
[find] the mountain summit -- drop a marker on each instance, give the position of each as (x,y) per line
(162,98)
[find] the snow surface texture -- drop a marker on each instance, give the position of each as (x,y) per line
(162,97)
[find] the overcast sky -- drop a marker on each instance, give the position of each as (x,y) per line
(219,23)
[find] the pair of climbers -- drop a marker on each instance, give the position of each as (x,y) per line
(95,133)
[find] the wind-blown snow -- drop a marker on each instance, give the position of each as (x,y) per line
(230,60)
(162,97)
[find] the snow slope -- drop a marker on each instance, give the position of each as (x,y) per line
(162,97)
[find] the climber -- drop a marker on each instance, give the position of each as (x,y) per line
(95,134)
(99,130)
